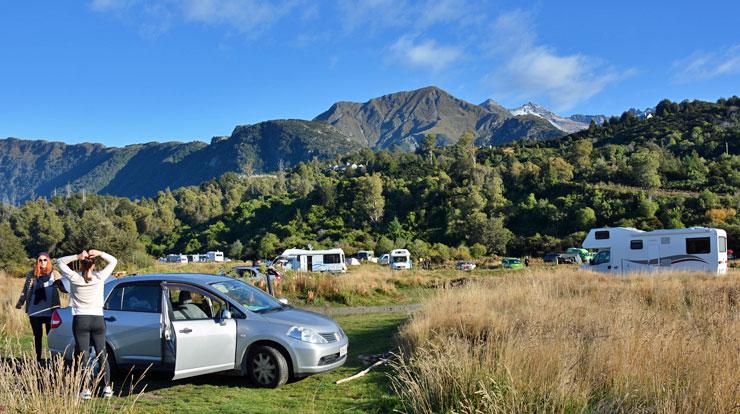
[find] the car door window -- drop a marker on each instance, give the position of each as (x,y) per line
(193,304)
(141,298)
(114,299)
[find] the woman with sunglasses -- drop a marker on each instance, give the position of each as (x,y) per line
(41,296)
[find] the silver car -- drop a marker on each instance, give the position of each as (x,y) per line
(193,324)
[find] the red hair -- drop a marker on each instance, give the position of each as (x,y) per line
(38,269)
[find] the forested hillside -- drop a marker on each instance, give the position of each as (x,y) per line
(40,168)
(679,168)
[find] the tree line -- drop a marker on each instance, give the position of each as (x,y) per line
(680,168)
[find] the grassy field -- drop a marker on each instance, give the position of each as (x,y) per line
(569,341)
(533,340)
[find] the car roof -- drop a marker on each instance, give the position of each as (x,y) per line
(175,277)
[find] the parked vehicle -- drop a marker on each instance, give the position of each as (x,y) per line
(367,256)
(512,263)
(167,321)
(177,258)
(400,259)
(585,255)
(465,266)
(384,259)
(623,250)
(254,273)
(555,258)
(215,256)
(331,260)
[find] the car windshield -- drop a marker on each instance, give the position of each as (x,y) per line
(248,296)
(399,259)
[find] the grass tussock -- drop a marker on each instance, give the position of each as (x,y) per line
(567,341)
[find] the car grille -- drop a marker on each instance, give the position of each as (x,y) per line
(330,336)
(330,359)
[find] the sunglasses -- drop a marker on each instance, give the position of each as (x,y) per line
(43,260)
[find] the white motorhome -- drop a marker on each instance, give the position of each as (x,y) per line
(624,250)
(176,258)
(400,259)
(331,260)
(216,256)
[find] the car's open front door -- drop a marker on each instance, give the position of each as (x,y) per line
(197,337)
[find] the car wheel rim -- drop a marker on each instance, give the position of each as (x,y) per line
(264,368)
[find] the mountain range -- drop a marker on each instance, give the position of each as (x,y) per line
(30,168)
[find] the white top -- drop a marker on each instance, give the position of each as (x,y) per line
(86,298)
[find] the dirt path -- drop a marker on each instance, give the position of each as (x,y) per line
(364,310)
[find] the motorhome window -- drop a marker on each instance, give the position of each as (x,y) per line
(665,240)
(400,259)
(331,258)
(636,244)
(602,235)
(722,244)
(698,245)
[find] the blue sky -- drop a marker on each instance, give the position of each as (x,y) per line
(130,71)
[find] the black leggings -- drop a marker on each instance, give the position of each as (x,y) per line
(37,326)
(85,329)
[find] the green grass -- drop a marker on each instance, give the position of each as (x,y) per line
(315,394)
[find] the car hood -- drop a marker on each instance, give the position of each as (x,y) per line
(297,317)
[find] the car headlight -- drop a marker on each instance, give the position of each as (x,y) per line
(306,335)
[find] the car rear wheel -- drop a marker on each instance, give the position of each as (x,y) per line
(267,367)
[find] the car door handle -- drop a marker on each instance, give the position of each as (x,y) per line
(110,319)
(186,330)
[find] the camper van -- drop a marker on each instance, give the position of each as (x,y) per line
(400,259)
(331,260)
(215,256)
(623,250)
(177,258)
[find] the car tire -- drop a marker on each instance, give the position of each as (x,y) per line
(266,367)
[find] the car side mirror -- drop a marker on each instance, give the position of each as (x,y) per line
(225,315)
(284,301)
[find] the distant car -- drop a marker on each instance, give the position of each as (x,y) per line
(586,256)
(255,274)
(512,263)
(465,266)
(556,258)
(384,259)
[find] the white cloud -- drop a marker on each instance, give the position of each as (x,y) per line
(532,71)
(426,54)
(699,65)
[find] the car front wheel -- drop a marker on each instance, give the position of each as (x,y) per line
(267,367)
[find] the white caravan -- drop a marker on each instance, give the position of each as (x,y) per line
(177,258)
(400,259)
(625,249)
(331,260)
(215,256)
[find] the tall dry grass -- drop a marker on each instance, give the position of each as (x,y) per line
(354,287)
(13,322)
(28,387)
(567,341)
